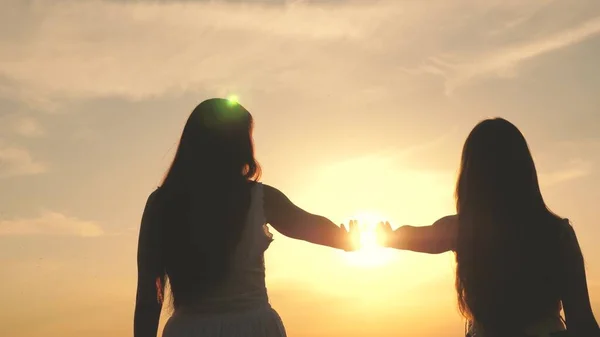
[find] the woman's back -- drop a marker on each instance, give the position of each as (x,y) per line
(508,251)
(239,305)
(522,289)
(515,284)
(244,285)
(516,259)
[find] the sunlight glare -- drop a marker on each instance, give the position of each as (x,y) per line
(370,253)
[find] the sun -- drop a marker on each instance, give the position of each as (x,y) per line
(368,239)
(370,253)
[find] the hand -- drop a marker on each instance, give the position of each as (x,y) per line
(384,233)
(353,235)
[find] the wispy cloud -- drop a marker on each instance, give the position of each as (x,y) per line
(16,161)
(141,49)
(21,125)
(50,223)
(28,127)
(574,170)
(503,62)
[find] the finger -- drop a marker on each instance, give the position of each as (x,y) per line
(388,226)
(344,228)
(353,225)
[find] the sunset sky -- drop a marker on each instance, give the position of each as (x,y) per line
(361,109)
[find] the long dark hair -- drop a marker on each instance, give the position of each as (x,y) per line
(205,197)
(507,242)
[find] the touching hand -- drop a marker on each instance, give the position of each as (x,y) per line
(384,233)
(352,235)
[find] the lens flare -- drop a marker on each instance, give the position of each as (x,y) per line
(233,99)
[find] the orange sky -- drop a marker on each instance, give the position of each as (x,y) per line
(360,107)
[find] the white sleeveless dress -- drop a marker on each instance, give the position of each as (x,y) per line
(241,306)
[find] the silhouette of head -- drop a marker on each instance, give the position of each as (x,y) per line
(497,170)
(504,249)
(205,197)
(216,139)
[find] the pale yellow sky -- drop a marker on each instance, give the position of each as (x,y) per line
(361,107)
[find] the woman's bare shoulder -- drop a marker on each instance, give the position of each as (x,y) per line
(447,221)
(447,229)
(273,196)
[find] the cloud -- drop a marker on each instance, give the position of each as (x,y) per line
(72,50)
(141,49)
(50,223)
(575,169)
(567,160)
(28,127)
(503,62)
(15,161)
(22,125)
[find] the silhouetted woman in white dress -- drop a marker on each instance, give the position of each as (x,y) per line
(205,231)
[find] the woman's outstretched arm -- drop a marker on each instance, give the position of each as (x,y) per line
(575,298)
(294,222)
(440,237)
(150,285)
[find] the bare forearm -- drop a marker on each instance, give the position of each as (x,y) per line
(404,238)
(417,239)
(147,308)
(578,310)
(322,231)
(576,298)
(145,322)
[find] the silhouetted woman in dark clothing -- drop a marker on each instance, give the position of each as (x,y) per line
(517,261)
